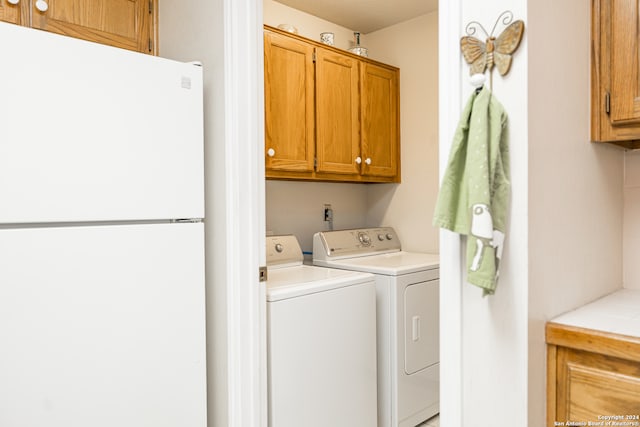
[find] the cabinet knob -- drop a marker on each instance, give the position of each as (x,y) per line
(368,161)
(271,152)
(358,160)
(13,1)
(42,5)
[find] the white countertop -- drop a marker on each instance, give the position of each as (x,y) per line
(617,313)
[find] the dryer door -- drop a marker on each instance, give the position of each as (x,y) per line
(421,326)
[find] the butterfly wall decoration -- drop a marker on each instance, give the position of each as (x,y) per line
(495,51)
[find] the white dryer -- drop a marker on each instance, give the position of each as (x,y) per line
(321,342)
(407,294)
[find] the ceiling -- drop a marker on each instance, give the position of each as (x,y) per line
(364,15)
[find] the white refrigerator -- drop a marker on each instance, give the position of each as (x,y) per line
(102,309)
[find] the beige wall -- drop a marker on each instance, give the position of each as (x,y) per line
(408,207)
(575,187)
(631,235)
(308,25)
(297,207)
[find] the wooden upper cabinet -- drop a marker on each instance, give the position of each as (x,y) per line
(289,104)
(120,23)
(12,12)
(330,115)
(337,113)
(380,110)
(128,24)
(615,76)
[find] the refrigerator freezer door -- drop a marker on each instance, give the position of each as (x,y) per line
(102,326)
(94,133)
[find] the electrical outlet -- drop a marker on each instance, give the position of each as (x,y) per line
(328,212)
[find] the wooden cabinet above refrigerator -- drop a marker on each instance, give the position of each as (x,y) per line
(128,24)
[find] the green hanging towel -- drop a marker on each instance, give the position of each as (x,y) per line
(474,196)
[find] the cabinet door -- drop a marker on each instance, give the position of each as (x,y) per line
(338,136)
(289,104)
(615,87)
(625,90)
(14,13)
(122,23)
(380,131)
(591,385)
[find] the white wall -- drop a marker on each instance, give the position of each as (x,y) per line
(494,328)
(185,39)
(575,187)
(631,235)
(484,339)
(564,242)
(408,207)
(226,36)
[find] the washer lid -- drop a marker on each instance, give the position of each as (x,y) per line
(390,264)
(284,283)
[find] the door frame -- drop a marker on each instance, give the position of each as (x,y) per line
(244,124)
(245,212)
(451,256)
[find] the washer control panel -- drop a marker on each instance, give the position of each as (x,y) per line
(356,242)
(283,250)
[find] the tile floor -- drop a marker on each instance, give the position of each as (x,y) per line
(431,422)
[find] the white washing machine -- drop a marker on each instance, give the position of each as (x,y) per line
(407,289)
(321,342)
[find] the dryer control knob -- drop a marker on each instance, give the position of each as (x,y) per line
(279,247)
(364,239)
(389,236)
(381,237)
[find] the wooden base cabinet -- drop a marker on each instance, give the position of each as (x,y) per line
(591,375)
(329,115)
(128,24)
